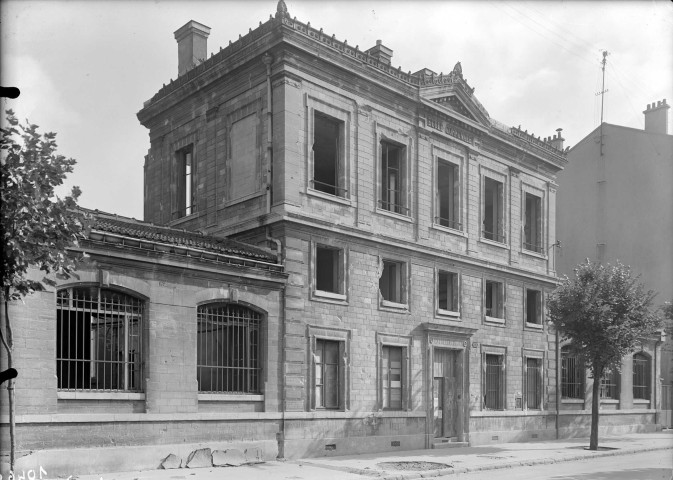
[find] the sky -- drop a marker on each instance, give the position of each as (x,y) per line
(85,68)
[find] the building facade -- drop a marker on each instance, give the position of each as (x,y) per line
(615,203)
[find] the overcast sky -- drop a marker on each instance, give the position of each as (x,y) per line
(85,68)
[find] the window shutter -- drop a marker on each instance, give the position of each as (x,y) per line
(343,375)
(525,383)
(314,361)
(541,380)
(503,396)
(405,379)
(483,381)
(538,313)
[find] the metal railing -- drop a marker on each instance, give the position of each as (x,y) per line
(572,376)
(493,236)
(445,222)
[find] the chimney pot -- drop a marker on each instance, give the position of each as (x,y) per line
(192,45)
(656,117)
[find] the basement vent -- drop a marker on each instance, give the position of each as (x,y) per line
(495,437)
(534,435)
(330,446)
(394,443)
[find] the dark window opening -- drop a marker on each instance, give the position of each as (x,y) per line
(494,228)
(533,383)
(327,375)
(327,163)
(641,376)
(447,193)
(534,307)
(447,291)
(494,300)
(392,377)
(391,283)
(608,386)
(533,224)
(328,269)
(494,382)
(393,178)
(572,375)
(186,182)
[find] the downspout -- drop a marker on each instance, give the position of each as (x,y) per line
(558,385)
(268,59)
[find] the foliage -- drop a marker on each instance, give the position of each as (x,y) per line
(604,312)
(37,226)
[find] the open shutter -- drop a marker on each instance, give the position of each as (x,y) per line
(405,379)
(343,376)
(541,384)
(502,393)
(525,383)
(314,362)
(483,381)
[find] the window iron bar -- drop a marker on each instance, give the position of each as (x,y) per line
(336,187)
(445,222)
(533,247)
(393,207)
(493,236)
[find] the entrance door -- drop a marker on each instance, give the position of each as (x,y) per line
(444,391)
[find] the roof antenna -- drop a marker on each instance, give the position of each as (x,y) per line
(602,94)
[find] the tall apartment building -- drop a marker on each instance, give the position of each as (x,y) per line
(615,202)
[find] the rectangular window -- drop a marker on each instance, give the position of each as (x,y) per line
(391,374)
(327,375)
(608,387)
(328,176)
(186,182)
(494,227)
(534,307)
(533,224)
(572,375)
(393,178)
(494,299)
(447,291)
(448,195)
(392,283)
(533,380)
(329,269)
(494,382)
(641,376)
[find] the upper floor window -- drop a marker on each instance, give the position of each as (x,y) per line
(641,376)
(447,291)
(533,224)
(328,164)
(186,182)
(227,349)
(494,299)
(448,195)
(329,269)
(572,375)
(393,178)
(392,283)
(99,340)
(494,226)
(533,307)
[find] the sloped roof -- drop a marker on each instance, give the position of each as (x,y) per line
(130,228)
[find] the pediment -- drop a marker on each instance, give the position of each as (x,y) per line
(452,102)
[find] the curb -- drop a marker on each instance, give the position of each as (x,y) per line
(381,475)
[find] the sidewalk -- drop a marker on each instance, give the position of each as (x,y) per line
(451,461)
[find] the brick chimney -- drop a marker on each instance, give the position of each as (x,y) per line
(192,40)
(557,140)
(382,53)
(656,117)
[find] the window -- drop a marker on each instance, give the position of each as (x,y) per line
(494,228)
(572,375)
(98,340)
(641,376)
(533,307)
(328,174)
(392,283)
(228,349)
(327,374)
(393,178)
(329,275)
(493,300)
(447,291)
(494,381)
(186,182)
(448,195)
(608,387)
(533,383)
(533,224)
(392,375)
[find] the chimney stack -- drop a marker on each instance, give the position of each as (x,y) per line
(557,140)
(382,53)
(192,40)
(656,117)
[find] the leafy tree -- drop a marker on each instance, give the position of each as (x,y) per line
(37,226)
(604,312)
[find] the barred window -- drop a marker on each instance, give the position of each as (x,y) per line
(608,387)
(228,349)
(641,376)
(533,380)
(391,376)
(572,375)
(98,340)
(494,382)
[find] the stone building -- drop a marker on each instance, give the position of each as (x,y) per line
(615,202)
(415,230)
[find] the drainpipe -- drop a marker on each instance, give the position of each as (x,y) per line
(268,59)
(558,384)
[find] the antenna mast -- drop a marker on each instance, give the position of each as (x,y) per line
(602,94)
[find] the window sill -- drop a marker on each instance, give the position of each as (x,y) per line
(534,326)
(494,243)
(450,314)
(494,320)
(393,306)
(609,401)
(572,400)
(229,397)
(396,216)
(329,297)
(326,196)
(452,231)
(532,253)
(640,401)
(100,395)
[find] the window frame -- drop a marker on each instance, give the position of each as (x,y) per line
(186,182)
(610,381)
(644,362)
(456,288)
(454,222)
(500,211)
(340,297)
(539,324)
(404,343)
(341,187)
(501,392)
(343,338)
(538,358)
(533,245)
(501,300)
(577,372)
(403,278)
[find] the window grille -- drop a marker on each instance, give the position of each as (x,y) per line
(608,387)
(641,376)
(228,349)
(533,383)
(391,374)
(98,340)
(572,375)
(494,376)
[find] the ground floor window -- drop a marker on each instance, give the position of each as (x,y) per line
(392,362)
(98,340)
(572,375)
(641,376)
(494,382)
(327,374)
(227,355)
(608,387)
(533,383)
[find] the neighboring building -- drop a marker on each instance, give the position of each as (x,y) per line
(113,362)
(615,202)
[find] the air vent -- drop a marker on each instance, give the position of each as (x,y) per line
(330,446)
(395,443)
(495,437)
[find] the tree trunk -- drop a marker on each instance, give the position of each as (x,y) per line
(595,403)
(9,346)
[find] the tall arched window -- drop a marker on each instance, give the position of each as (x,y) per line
(572,375)
(641,376)
(98,340)
(228,349)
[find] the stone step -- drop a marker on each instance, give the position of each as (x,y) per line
(451,442)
